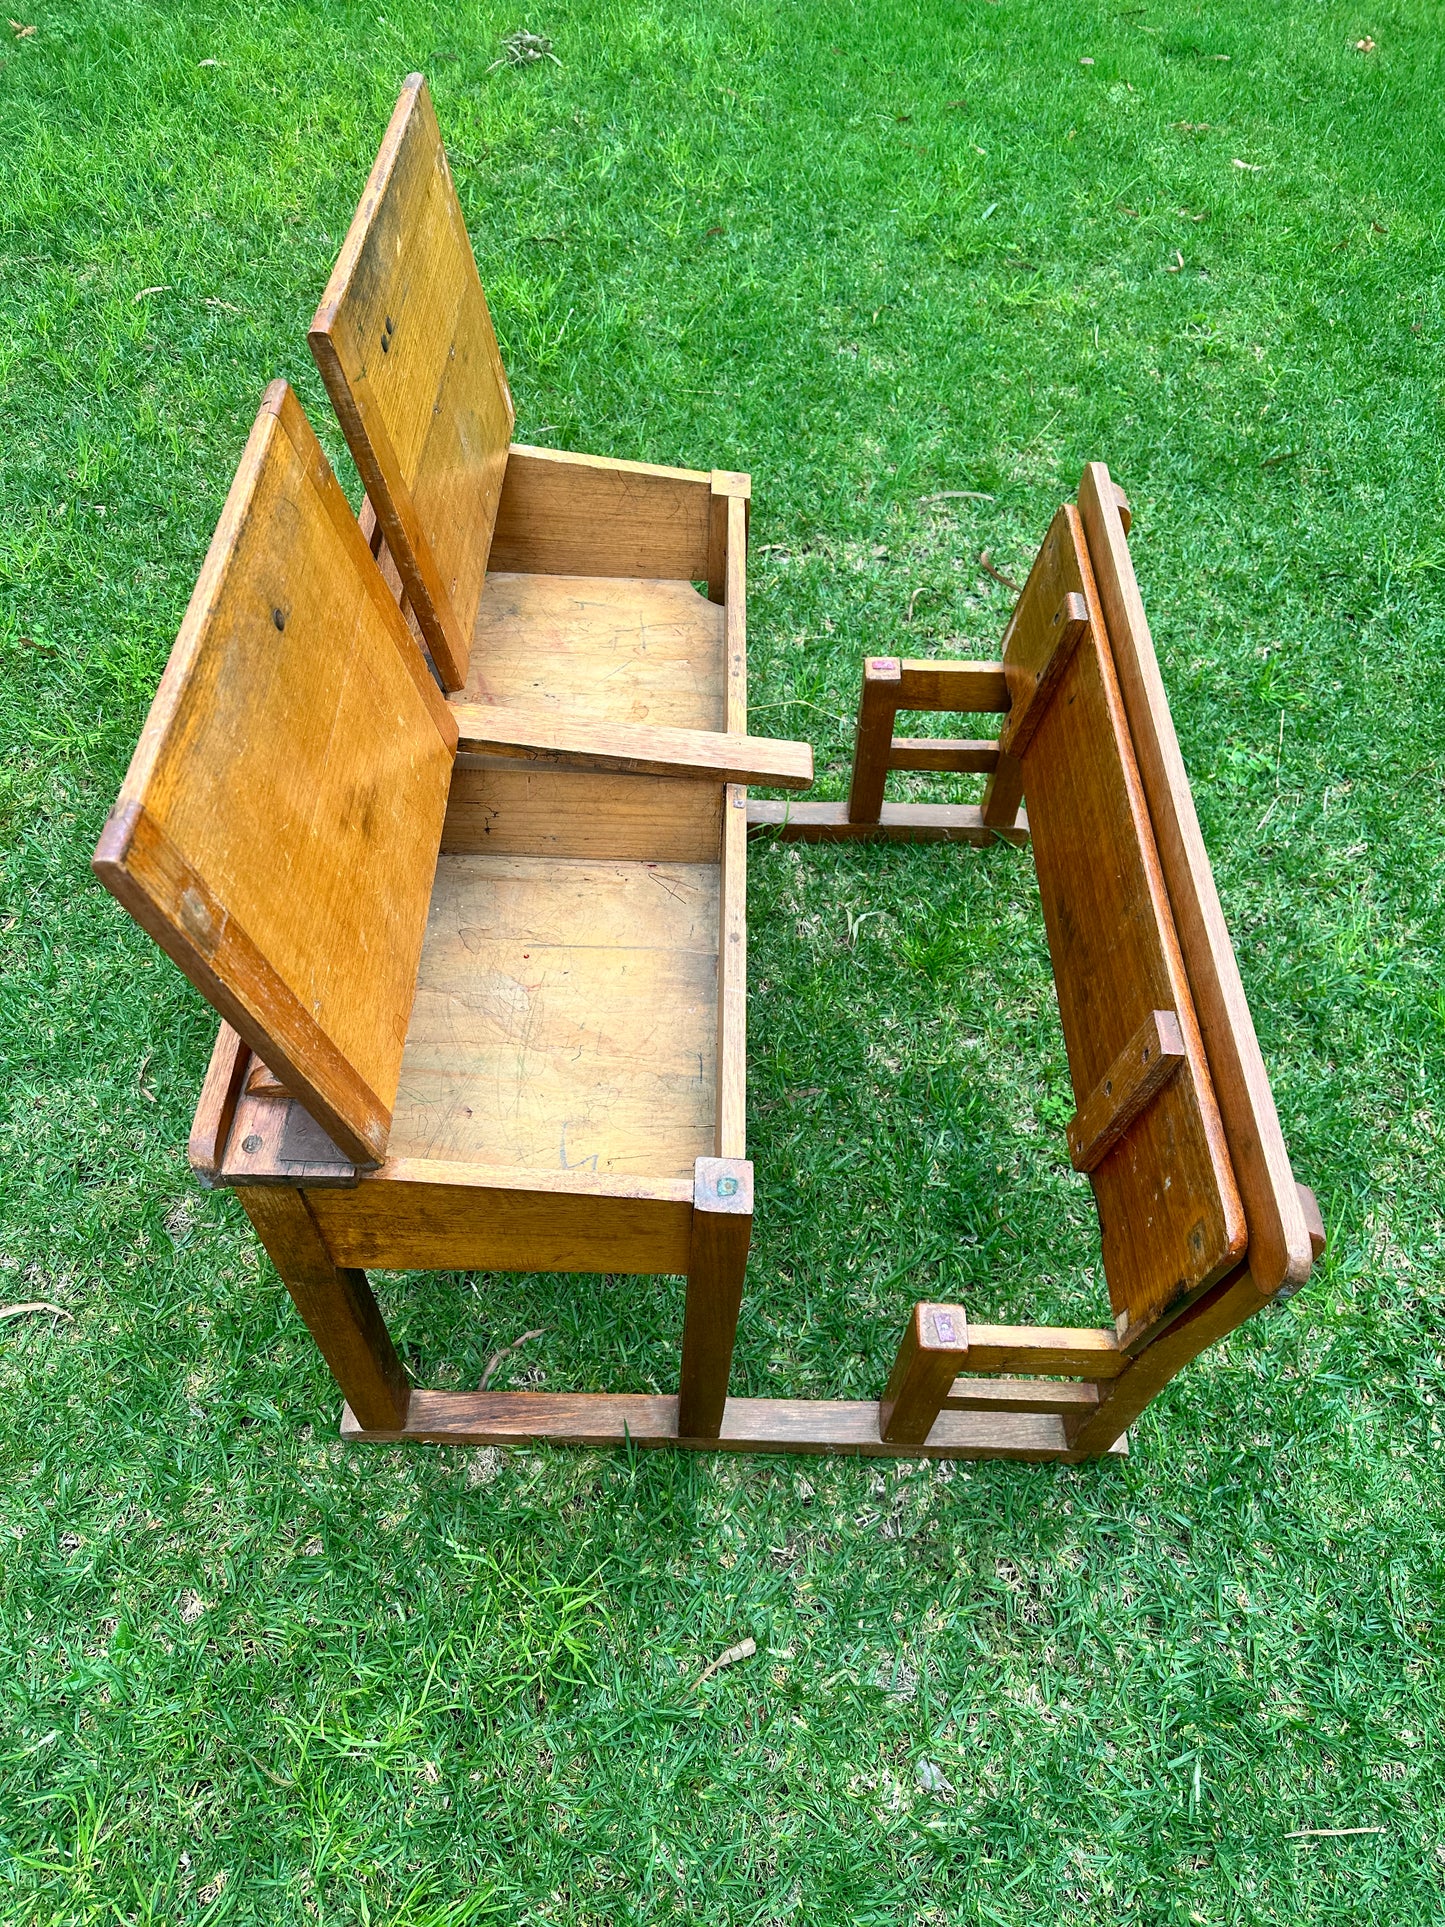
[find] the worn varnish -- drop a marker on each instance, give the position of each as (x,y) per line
(277,830)
(1169,1214)
(406,348)
(565,1017)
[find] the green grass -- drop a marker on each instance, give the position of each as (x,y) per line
(870,254)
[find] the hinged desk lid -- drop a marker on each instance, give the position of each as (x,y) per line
(406,348)
(278,828)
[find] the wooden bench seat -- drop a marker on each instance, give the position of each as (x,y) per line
(625,649)
(565,1017)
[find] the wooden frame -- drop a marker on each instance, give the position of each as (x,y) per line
(438,930)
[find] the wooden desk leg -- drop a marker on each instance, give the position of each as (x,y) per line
(1003,793)
(722,1229)
(933,1350)
(877,707)
(336,1303)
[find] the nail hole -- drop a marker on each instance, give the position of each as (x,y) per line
(278,618)
(386,344)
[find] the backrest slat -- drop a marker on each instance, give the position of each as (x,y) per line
(277,831)
(405,345)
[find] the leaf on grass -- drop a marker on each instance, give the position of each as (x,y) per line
(744,1649)
(522,49)
(933,1779)
(161,287)
(1249,167)
(38,1305)
(23,32)
(1365,46)
(1173,267)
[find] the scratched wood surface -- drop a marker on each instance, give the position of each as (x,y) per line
(615,648)
(278,827)
(405,345)
(1169,1213)
(565,1017)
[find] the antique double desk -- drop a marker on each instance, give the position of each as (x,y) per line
(444,809)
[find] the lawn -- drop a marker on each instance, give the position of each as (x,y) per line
(875,256)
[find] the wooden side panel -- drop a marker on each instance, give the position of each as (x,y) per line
(405,345)
(567,514)
(436,1216)
(278,828)
(611,647)
(565,1017)
(500,810)
(1169,1212)
(1279,1244)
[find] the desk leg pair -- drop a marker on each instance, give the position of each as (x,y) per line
(341,1314)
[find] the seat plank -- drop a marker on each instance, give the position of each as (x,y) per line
(565,1017)
(278,827)
(617,648)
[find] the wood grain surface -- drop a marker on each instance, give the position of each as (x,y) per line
(1169,1213)
(406,348)
(278,827)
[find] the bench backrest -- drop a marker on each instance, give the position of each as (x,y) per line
(406,348)
(1170,1218)
(278,828)
(1280,1254)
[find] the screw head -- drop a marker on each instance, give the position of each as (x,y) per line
(727,1187)
(251,1143)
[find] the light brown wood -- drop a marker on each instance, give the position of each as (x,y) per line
(1212,1318)
(1021,1395)
(565,1017)
(420,1214)
(845,1428)
(873,741)
(336,1303)
(1279,1243)
(730,499)
(501,809)
(274,1141)
(1169,1214)
(406,348)
(277,830)
(735,618)
(569,514)
(618,649)
(726,485)
(1131,1083)
(1060,1351)
(933,1347)
(967,688)
(216,1107)
(947,754)
(732,979)
(631,749)
(792,822)
(722,1226)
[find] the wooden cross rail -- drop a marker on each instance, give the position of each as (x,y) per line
(891,685)
(631,749)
